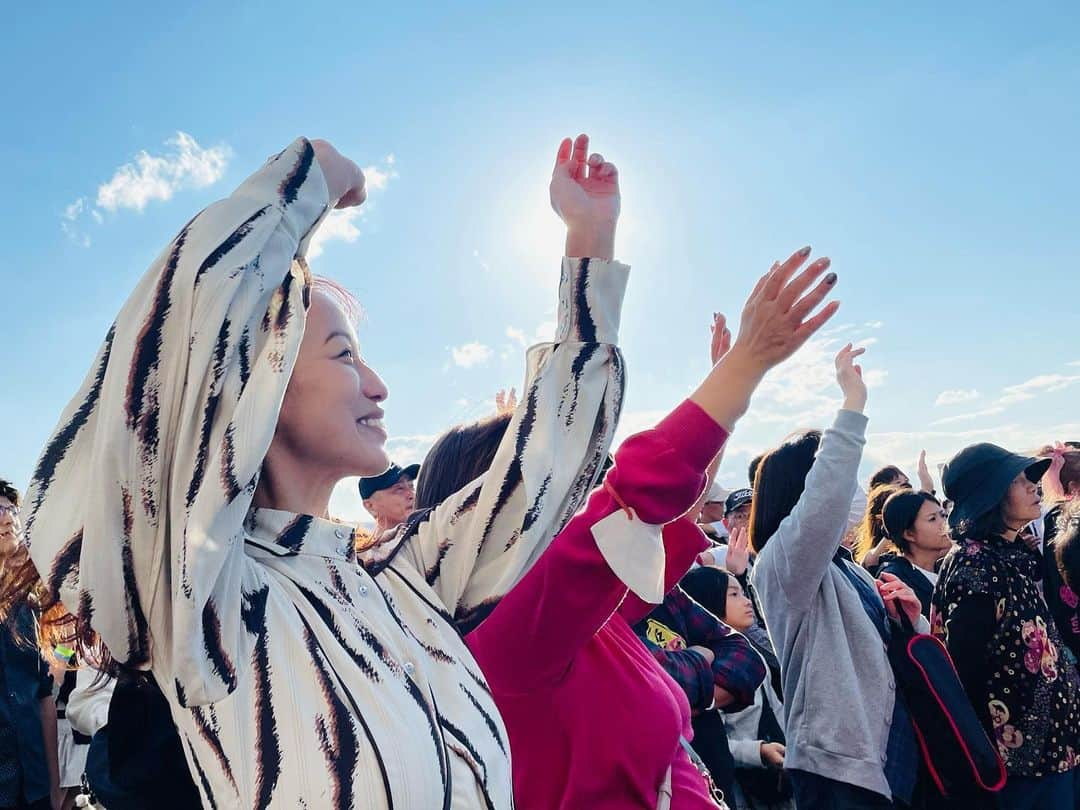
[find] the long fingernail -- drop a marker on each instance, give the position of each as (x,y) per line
(831,278)
(805,251)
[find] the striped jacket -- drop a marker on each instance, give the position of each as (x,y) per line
(296,677)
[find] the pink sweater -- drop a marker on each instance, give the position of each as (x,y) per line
(594,722)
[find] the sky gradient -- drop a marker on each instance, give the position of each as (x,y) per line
(931,152)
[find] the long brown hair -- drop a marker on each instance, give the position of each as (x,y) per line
(460,455)
(21,585)
(871,530)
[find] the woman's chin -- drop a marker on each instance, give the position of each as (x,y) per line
(374,461)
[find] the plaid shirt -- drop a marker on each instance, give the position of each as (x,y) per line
(680,622)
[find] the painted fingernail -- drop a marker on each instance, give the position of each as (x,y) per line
(831,278)
(805,251)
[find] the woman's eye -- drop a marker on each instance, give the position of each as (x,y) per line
(346,353)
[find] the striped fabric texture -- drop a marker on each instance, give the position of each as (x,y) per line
(299,678)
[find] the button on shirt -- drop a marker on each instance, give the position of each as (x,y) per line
(24,681)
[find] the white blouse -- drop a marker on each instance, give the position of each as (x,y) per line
(296,677)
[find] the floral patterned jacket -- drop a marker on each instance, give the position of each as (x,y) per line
(988,611)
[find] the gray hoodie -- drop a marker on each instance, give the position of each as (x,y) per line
(839,689)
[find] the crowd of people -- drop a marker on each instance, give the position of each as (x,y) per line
(532,621)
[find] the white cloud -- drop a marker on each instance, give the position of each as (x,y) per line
(343,224)
(75,210)
(1043,384)
(69,224)
(802,391)
(544,333)
(339,226)
(955,396)
(75,235)
(378,177)
(967,417)
(874,324)
(157,177)
(903,448)
(471,354)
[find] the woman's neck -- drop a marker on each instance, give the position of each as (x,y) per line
(286,485)
(922,558)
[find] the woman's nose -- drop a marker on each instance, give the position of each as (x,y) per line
(374,388)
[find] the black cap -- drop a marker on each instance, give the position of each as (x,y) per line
(737,498)
(977,478)
(369,486)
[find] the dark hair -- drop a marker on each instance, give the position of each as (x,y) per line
(886,475)
(461,455)
(987,525)
(900,512)
(708,586)
(755,462)
(871,529)
(1067,546)
(779,483)
(8,491)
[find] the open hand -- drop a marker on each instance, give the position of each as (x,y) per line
(721,337)
(505,402)
(849,376)
(776,319)
(738,551)
(585,194)
(344,180)
(894,592)
(1051,481)
(926,483)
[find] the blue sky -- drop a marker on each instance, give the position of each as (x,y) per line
(930,151)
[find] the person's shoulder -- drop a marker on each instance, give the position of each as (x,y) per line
(896,565)
(971,566)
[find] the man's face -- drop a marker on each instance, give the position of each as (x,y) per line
(712,511)
(392,505)
(738,517)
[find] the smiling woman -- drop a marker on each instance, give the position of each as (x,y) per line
(180,509)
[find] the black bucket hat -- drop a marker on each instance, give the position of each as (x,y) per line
(977,478)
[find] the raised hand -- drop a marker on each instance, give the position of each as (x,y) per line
(738,552)
(585,194)
(849,376)
(925,481)
(721,338)
(505,402)
(1051,482)
(344,180)
(776,320)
